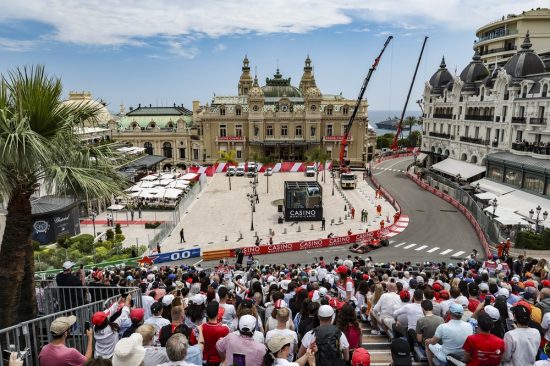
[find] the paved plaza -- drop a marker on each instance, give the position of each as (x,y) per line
(220,213)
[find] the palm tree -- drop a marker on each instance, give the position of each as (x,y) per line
(410,121)
(229,157)
(39,146)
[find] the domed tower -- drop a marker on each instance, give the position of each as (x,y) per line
(441,78)
(308,79)
(474,72)
(525,62)
(255,97)
(245,82)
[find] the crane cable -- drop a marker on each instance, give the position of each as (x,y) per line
(390,81)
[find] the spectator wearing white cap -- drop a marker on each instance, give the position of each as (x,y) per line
(71,297)
(452,336)
(241,346)
(325,331)
(56,352)
(129,351)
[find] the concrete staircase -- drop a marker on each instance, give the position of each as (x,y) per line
(379,348)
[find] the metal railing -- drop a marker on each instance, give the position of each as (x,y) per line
(487,224)
(474,140)
(61,298)
(29,337)
(441,135)
(474,117)
(537,121)
(518,119)
(166,227)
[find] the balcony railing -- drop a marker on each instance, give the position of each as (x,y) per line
(441,115)
(494,35)
(530,147)
(474,140)
(497,50)
(441,135)
(518,119)
(537,121)
(473,117)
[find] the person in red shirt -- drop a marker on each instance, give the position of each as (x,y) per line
(483,348)
(212,331)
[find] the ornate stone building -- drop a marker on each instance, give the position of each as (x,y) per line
(281,121)
(498,119)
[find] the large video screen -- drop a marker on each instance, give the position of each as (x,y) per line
(303,201)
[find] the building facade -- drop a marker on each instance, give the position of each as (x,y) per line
(282,121)
(164,131)
(498,119)
(498,41)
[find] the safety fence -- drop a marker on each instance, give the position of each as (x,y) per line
(29,337)
(167,226)
(489,226)
(456,203)
(60,298)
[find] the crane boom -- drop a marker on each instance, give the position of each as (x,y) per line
(357,105)
(394,145)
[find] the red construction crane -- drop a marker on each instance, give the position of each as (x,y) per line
(394,146)
(343,165)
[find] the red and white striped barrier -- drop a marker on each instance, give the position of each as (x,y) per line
(284,167)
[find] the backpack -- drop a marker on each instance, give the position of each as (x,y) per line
(327,338)
(166,332)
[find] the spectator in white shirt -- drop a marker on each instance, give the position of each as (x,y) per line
(413,311)
(382,313)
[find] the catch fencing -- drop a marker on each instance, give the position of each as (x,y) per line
(29,337)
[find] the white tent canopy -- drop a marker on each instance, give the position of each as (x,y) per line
(454,167)
(172,193)
(189,176)
(493,187)
(150,177)
(486,196)
(180,183)
(115,207)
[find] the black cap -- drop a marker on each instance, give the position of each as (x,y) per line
(156,307)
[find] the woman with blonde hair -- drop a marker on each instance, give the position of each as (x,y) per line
(281,329)
(373,300)
(540,272)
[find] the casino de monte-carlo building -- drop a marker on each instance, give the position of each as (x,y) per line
(282,121)
(496,118)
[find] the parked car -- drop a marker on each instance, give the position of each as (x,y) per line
(310,171)
(269,171)
(239,172)
(231,171)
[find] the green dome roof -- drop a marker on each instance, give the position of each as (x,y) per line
(279,87)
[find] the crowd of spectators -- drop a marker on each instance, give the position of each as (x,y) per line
(493,312)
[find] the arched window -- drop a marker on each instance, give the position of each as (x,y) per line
(148,148)
(170,125)
(167,149)
(151,125)
(238,110)
(313,107)
(222,111)
(545,90)
(134,125)
(329,110)
(345,110)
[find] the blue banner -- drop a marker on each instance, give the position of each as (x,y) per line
(176,256)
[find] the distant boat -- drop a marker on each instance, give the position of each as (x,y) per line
(389,124)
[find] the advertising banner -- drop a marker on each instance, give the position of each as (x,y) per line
(176,256)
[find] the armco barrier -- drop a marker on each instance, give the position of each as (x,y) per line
(480,234)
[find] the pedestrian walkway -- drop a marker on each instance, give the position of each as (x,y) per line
(389,169)
(429,248)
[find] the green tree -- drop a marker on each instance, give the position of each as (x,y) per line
(415,138)
(229,157)
(409,122)
(39,146)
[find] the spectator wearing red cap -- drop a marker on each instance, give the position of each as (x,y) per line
(136,316)
(106,330)
(361,357)
(346,288)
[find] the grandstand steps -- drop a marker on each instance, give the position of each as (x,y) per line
(379,348)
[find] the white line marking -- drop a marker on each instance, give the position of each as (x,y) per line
(400,244)
(392,241)
(446,251)
(433,249)
(410,246)
(420,248)
(457,254)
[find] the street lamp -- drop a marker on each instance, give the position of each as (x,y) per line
(544,217)
(495,204)
(252,200)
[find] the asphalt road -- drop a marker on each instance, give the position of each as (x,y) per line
(436,231)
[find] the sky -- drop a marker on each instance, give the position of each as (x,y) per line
(162,52)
